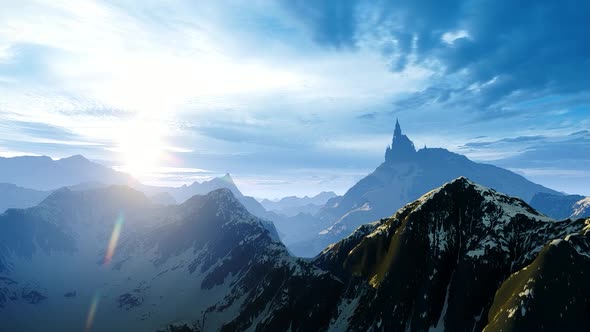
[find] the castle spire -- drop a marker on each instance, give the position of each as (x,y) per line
(398,130)
(402,148)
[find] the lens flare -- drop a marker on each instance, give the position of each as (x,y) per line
(114,239)
(92,311)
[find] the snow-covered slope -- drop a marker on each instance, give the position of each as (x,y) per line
(559,206)
(581,209)
(437,263)
(171,263)
(551,294)
(209,265)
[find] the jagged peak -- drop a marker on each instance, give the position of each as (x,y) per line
(75,157)
(221,196)
(463,180)
(398,130)
(401,148)
(227,178)
(510,206)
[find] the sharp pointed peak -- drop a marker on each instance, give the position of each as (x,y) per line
(398,129)
(227,177)
(461,179)
(402,148)
(77,158)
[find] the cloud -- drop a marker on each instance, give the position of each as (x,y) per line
(332,23)
(557,160)
(553,148)
(518,139)
(367,116)
(538,48)
(262,86)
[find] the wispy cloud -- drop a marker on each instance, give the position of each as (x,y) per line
(261,86)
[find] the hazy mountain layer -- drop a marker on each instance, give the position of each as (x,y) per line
(456,259)
(293,205)
(404,176)
(170,263)
(44,173)
(12,196)
(556,206)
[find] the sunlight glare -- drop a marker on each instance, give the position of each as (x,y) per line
(92,311)
(141,148)
(114,240)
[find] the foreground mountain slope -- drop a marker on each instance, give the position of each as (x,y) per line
(551,293)
(405,175)
(209,265)
(437,263)
(171,263)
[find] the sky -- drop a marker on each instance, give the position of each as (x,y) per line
(295,97)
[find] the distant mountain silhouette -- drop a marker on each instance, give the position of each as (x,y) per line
(293,205)
(181,194)
(163,198)
(401,178)
(34,178)
(557,206)
(44,173)
(460,258)
(13,196)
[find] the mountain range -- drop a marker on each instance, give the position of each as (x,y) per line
(293,205)
(44,173)
(460,257)
(404,176)
(562,206)
(91,175)
(30,179)
(13,196)
(306,225)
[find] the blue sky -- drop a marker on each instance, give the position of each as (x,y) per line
(295,97)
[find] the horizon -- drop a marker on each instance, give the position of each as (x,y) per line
(294,165)
(291,99)
(240,184)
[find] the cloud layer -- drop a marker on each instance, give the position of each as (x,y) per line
(301,93)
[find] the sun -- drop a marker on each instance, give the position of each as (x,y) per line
(141,148)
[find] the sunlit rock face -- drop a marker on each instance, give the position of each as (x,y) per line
(110,260)
(438,262)
(550,294)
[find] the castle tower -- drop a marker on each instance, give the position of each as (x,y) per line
(398,130)
(402,148)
